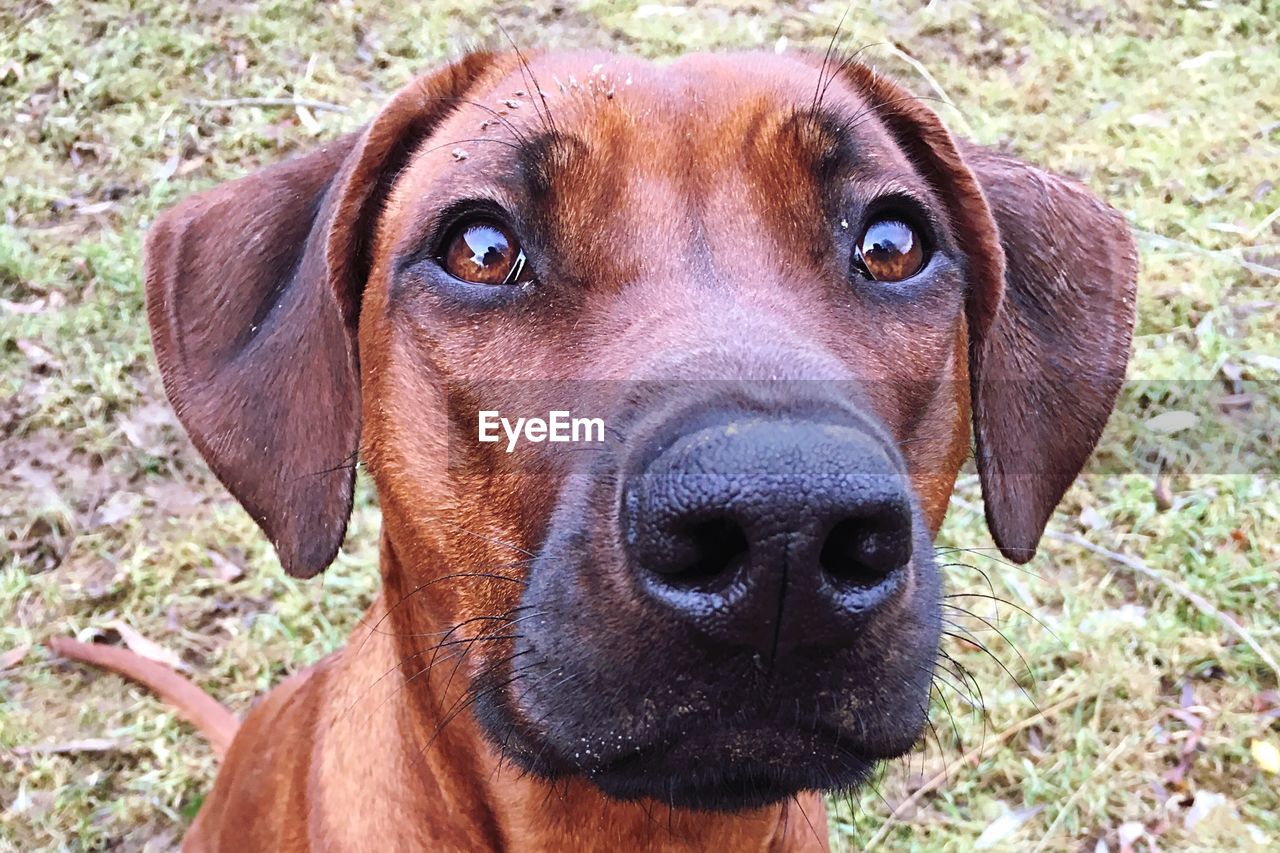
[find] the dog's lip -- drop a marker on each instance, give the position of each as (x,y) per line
(798,739)
(738,768)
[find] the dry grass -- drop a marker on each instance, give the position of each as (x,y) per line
(1169,109)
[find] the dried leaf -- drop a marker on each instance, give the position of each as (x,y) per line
(308,119)
(1128,833)
(174,497)
(167,171)
(144,426)
(35,306)
(1155,118)
(1204,805)
(38,357)
(1091,519)
(1168,423)
(191,165)
(1204,59)
(149,649)
(1266,756)
(225,570)
(14,656)
(1232,403)
(1268,362)
(117,508)
(96,208)
(1004,826)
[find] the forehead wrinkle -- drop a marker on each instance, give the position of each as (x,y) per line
(824,138)
(646,147)
(543,160)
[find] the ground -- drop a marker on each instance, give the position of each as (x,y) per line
(1123,705)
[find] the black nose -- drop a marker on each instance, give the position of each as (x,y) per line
(770,533)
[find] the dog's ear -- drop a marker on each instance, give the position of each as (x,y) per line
(1053,273)
(1052,362)
(253,296)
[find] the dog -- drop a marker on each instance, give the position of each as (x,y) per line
(796,304)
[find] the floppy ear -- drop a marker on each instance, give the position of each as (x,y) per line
(1052,363)
(253,296)
(1052,272)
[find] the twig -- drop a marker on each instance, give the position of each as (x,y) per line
(1201,603)
(267,102)
(942,775)
(1256,232)
(89,744)
(1133,564)
(1075,795)
(1215,254)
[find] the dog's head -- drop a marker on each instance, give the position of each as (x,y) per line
(770,295)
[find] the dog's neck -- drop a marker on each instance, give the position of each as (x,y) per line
(451,776)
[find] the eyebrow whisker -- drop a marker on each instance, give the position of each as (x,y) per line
(496,116)
(843,65)
(826,57)
(531,80)
(513,146)
(868,112)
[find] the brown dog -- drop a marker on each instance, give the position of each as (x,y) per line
(783,289)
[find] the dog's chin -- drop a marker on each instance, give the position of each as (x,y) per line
(732,772)
(729,769)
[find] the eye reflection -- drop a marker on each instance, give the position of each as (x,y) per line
(482,251)
(890,250)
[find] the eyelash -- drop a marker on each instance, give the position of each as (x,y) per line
(904,208)
(457,213)
(899,206)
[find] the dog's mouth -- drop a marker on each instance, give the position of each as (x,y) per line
(733,754)
(745,766)
(697,727)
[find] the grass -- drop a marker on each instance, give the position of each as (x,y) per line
(1168,109)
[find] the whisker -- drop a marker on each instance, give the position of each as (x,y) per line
(455,575)
(1012,604)
(966,677)
(494,114)
(416,655)
(1002,634)
(982,647)
(465,652)
(449,682)
(983,552)
(826,59)
(471,140)
(843,66)
(946,706)
(544,115)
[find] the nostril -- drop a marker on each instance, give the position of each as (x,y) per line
(707,550)
(862,551)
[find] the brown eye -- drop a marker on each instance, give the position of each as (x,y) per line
(890,250)
(482,251)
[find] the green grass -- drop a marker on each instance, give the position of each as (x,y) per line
(1171,110)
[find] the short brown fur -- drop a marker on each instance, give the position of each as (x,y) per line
(288,340)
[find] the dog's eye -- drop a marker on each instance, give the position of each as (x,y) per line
(483,251)
(890,250)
